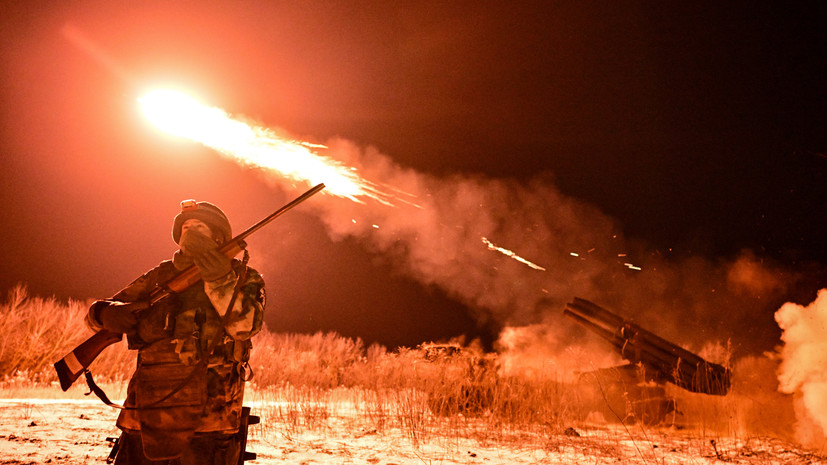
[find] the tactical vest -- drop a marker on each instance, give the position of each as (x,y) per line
(185,323)
(171,338)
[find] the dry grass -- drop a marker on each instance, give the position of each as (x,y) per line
(432,393)
(39,331)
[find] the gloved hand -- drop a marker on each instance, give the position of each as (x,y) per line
(193,243)
(118,317)
(211,263)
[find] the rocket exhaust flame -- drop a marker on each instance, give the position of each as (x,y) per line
(183,116)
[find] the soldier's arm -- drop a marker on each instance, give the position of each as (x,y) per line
(131,293)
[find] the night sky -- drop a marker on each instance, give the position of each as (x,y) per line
(696,131)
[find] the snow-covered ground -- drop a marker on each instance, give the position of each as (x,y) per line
(75,431)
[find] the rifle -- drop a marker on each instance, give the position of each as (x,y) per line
(78,360)
(668,361)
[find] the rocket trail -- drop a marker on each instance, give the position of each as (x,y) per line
(252,145)
(509,253)
(183,116)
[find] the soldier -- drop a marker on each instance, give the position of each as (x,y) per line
(183,404)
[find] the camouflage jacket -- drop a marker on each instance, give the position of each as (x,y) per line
(173,336)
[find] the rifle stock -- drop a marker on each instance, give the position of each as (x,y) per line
(70,367)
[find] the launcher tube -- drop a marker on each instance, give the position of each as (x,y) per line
(637,345)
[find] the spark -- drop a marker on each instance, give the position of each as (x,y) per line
(632,266)
(313,146)
(509,253)
(183,116)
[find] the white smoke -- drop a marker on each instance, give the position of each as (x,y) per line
(434,232)
(549,247)
(438,236)
(803,370)
(435,235)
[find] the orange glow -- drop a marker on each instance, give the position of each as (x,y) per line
(183,116)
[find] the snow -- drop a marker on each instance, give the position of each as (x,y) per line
(75,431)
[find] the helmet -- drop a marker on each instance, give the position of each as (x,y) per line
(211,215)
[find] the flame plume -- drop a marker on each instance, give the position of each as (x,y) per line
(183,116)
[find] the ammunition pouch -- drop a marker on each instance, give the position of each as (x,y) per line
(234,351)
(193,332)
(153,324)
(237,353)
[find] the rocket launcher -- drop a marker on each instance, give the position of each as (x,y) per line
(668,362)
(70,367)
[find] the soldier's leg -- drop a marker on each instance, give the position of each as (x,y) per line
(131,452)
(212,449)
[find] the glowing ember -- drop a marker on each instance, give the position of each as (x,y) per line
(492,246)
(183,116)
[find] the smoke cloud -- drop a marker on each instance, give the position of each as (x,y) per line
(515,252)
(435,234)
(441,231)
(803,371)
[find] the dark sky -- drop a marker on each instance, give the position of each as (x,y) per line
(697,129)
